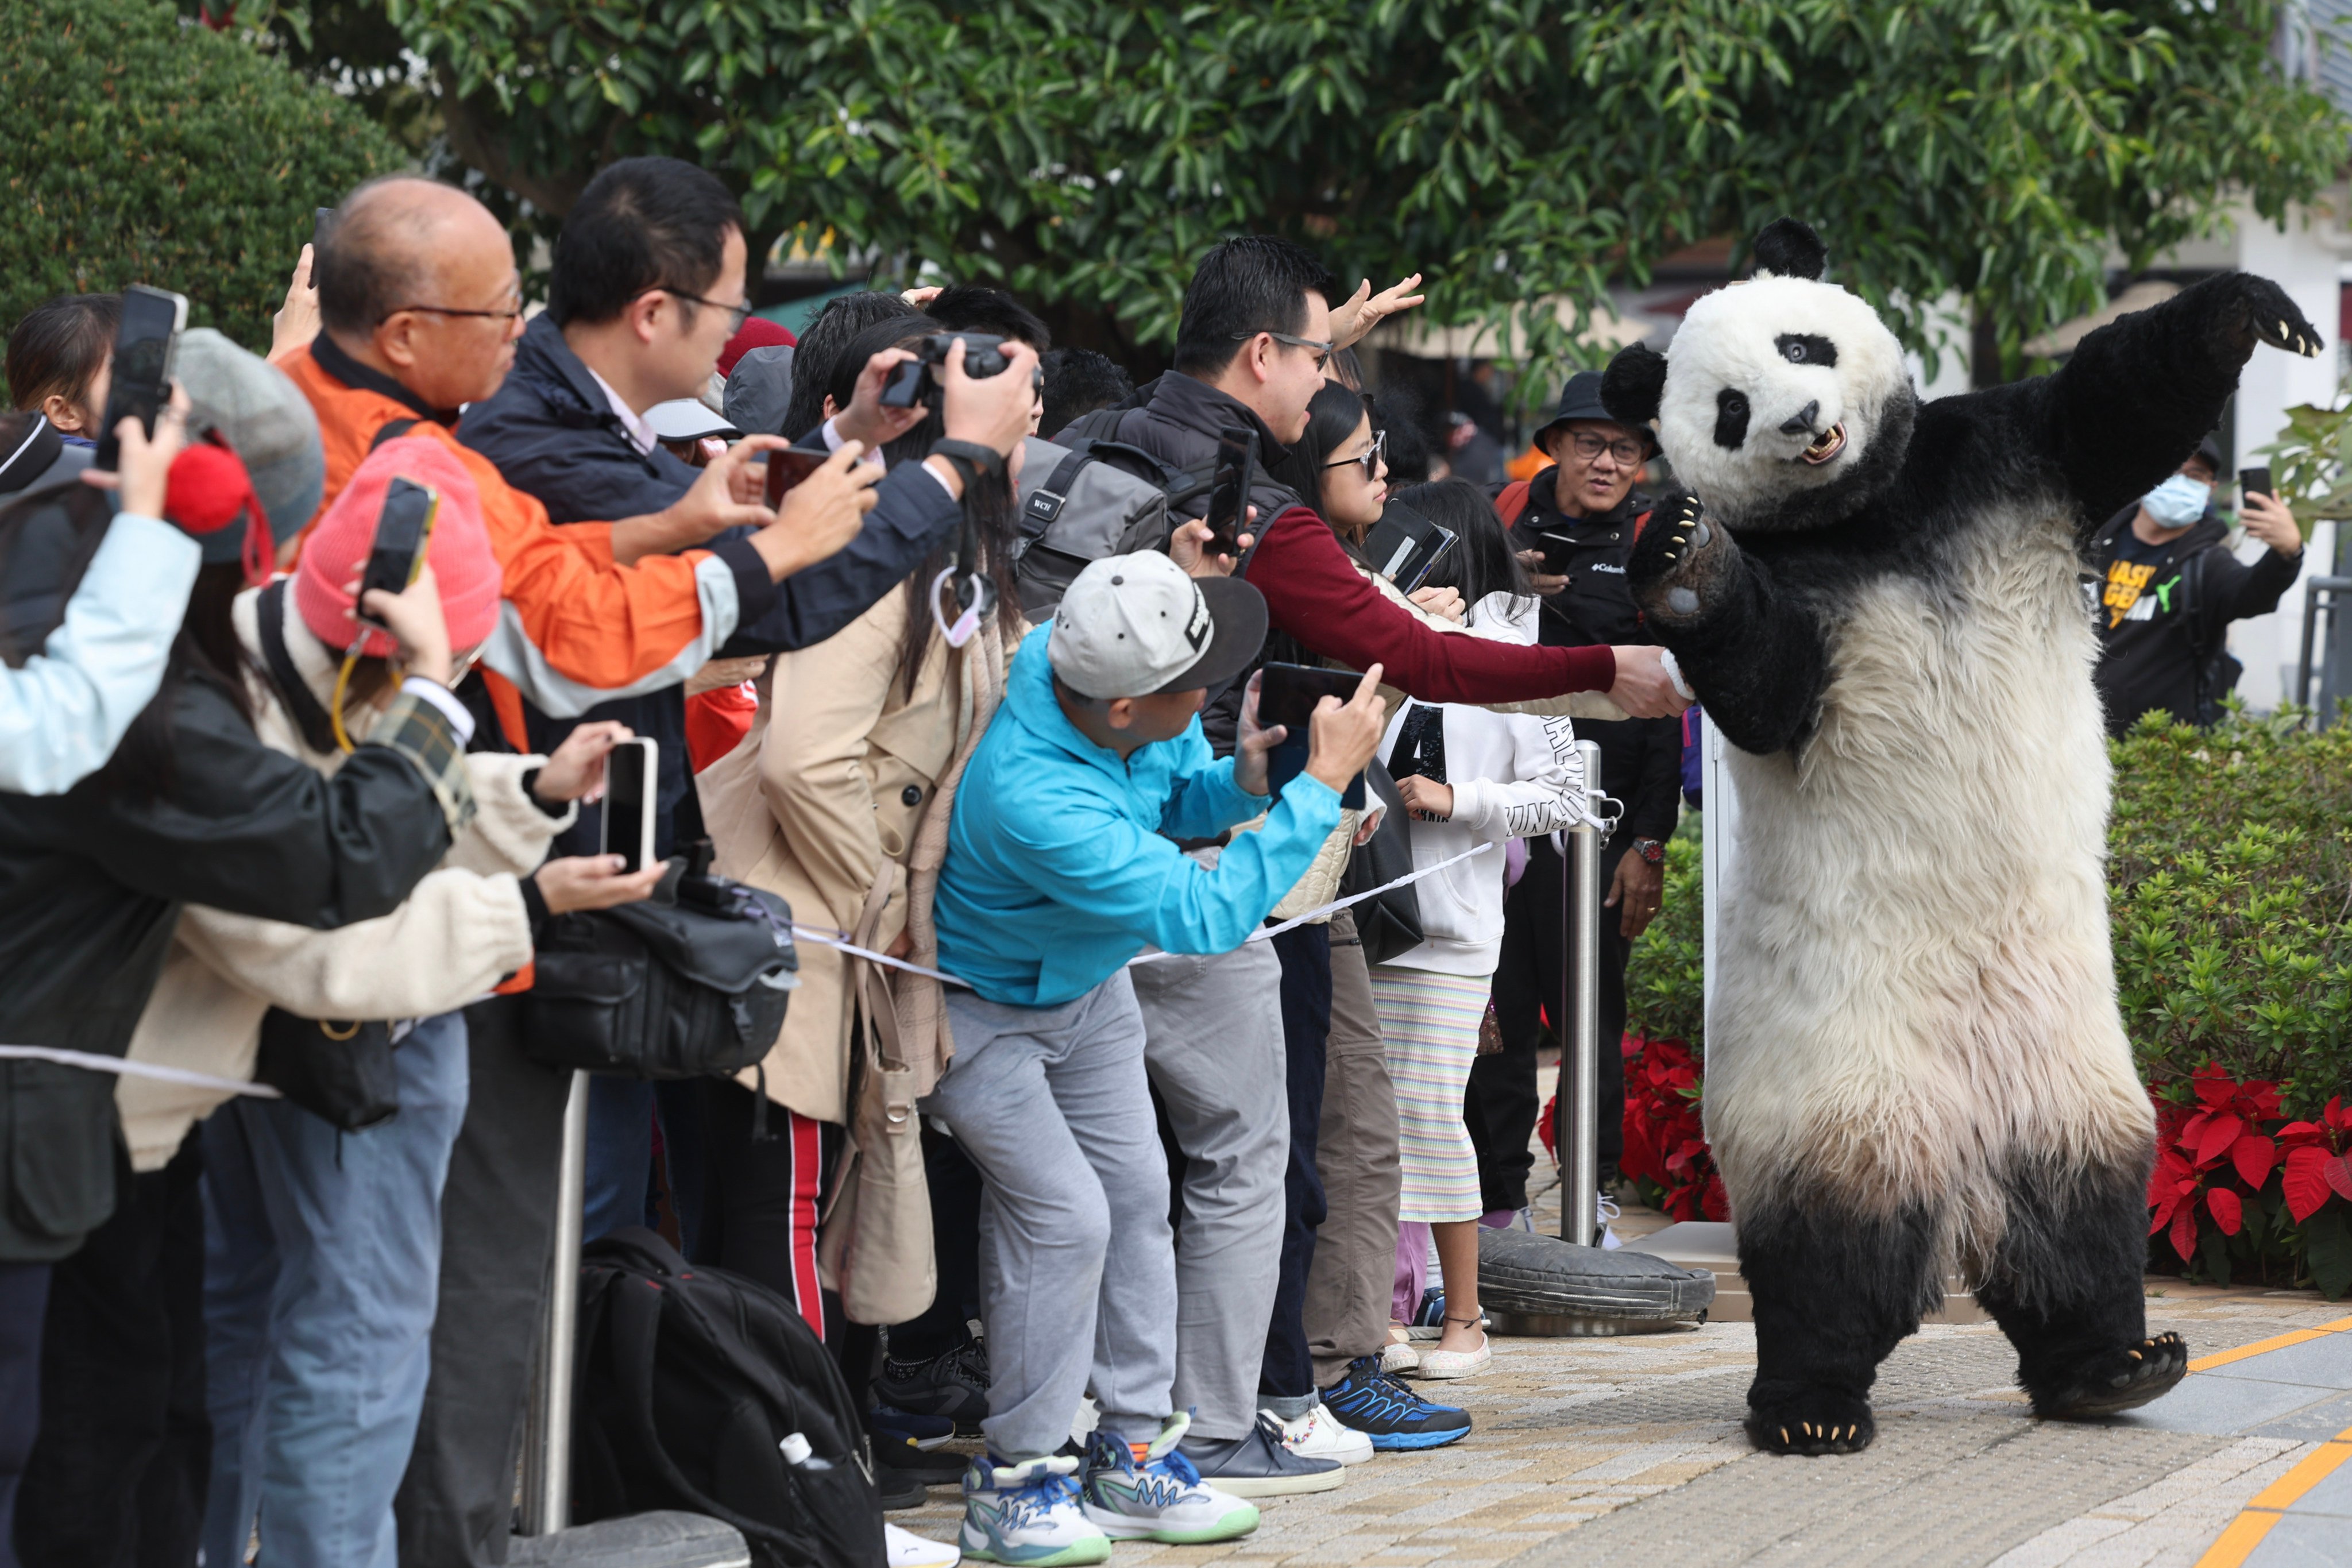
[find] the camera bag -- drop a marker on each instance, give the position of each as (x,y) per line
(339,1071)
(690,983)
(1389,922)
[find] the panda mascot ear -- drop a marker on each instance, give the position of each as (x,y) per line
(1786,248)
(1634,385)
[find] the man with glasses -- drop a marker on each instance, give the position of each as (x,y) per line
(1573,525)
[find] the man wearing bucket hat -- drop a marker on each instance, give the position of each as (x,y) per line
(1057,876)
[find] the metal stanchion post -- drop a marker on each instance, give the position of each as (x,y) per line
(547,1436)
(1580,1011)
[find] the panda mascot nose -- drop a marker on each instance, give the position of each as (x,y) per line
(1802,422)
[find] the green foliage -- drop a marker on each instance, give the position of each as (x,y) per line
(1665,975)
(1086,153)
(143,150)
(2230,879)
(2311,462)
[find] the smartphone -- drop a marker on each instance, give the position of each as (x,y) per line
(322,220)
(2256,482)
(403,529)
(1229,489)
(789,467)
(1287,695)
(628,816)
(1558,553)
(1405,546)
(142,377)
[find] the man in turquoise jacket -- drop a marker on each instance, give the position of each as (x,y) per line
(1057,874)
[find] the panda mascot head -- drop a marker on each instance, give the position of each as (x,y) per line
(1784,400)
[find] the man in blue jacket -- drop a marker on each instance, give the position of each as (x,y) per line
(1061,868)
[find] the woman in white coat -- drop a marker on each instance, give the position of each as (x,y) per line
(1471,778)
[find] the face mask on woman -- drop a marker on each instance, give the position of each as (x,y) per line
(2179,501)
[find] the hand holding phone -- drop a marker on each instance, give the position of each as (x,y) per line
(1229,489)
(1289,695)
(1346,735)
(142,471)
(412,620)
(403,529)
(140,374)
(788,467)
(2256,482)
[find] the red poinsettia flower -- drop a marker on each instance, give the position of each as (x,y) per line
(2316,1163)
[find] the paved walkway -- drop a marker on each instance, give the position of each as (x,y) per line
(1627,1452)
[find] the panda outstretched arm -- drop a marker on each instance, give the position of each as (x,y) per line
(2140,393)
(1758,660)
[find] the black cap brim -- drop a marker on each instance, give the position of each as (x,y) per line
(1238,619)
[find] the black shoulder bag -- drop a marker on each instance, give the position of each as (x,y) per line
(2217,667)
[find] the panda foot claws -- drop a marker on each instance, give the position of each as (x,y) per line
(1816,1421)
(2117,1380)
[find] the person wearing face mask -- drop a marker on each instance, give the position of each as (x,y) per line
(2164,587)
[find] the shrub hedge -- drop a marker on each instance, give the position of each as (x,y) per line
(143,149)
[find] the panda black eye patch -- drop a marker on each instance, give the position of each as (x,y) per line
(1730,418)
(1805,348)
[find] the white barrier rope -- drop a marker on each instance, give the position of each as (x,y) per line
(124,1067)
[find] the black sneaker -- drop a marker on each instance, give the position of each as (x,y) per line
(953,1383)
(1258,1465)
(903,1445)
(899,1490)
(1390,1414)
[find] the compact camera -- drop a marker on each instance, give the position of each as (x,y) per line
(916,379)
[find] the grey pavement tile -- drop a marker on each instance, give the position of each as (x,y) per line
(2295,1541)
(2204,1403)
(2332,1496)
(2323,1363)
(2313,1423)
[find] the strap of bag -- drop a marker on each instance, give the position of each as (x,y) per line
(1512,501)
(1038,514)
(393,430)
(310,714)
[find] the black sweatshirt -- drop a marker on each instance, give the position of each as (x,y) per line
(2149,633)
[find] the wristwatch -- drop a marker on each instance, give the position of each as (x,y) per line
(1650,849)
(970,458)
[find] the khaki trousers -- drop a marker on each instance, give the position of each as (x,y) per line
(1354,1271)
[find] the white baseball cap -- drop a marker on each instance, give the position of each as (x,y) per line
(1133,625)
(688,419)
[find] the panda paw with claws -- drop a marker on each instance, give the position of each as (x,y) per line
(2259,312)
(2116,1380)
(1684,567)
(1812,1422)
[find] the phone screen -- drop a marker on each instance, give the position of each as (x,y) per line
(789,467)
(1287,695)
(1229,489)
(402,528)
(2256,482)
(140,381)
(628,830)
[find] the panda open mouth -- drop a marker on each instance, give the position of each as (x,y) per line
(1825,446)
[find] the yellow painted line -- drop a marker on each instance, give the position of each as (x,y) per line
(2276,1342)
(2246,1532)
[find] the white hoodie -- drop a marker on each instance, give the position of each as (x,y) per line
(1514,776)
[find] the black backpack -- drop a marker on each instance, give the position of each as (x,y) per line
(2217,667)
(1094,436)
(689,1388)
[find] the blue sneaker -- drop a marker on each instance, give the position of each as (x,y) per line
(1389,1413)
(1028,1514)
(1160,1496)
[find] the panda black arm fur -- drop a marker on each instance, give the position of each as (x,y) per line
(2139,393)
(1755,654)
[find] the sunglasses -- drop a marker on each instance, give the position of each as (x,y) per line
(1370,457)
(1321,346)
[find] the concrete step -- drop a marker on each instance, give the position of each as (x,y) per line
(1710,1245)
(640,1541)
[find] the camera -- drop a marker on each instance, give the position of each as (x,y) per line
(916,379)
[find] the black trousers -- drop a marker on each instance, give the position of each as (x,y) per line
(455,1505)
(118,1474)
(763,1197)
(955,1184)
(1306,955)
(1500,1107)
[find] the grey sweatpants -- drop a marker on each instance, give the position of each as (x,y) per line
(1077,1264)
(1213,1042)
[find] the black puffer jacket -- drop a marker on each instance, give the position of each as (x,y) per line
(90,885)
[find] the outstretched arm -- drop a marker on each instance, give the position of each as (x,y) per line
(1757,661)
(2140,393)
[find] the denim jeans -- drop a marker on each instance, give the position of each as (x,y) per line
(322,1264)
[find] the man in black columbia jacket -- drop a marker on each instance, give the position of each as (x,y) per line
(2165,587)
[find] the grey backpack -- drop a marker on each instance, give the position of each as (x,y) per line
(1076,508)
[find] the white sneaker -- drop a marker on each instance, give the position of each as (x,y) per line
(1607,1211)
(1319,1435)
(1160,1496)
(1028,1514)
(905,1549)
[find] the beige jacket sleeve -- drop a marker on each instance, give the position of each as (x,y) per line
(825,701)
(510,832)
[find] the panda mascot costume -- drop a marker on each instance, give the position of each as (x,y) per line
(1915,1064)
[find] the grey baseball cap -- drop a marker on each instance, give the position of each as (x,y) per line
(267,422)
(1134,625)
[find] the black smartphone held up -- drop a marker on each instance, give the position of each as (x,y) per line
(1229,489)
(1287,695)
(2256,482)
(1405,546)
(403,529)
(142,377)
(628,816)
(789,467)
(322,220)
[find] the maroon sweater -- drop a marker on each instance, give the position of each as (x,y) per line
(1314,592)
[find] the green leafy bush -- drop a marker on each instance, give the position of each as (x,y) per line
(144,150)
(1665,976)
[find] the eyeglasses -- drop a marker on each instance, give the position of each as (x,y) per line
(512,313)
(1370,457)
(1625,449)
(1322,347)
(737,314)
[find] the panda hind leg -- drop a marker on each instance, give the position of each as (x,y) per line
(1835,1293)
(2064,1285)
